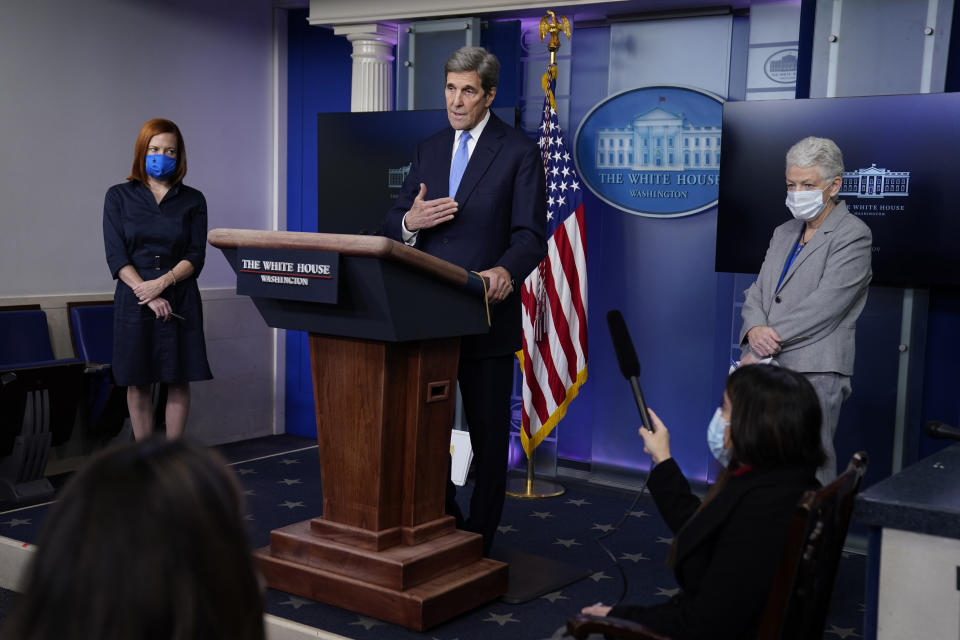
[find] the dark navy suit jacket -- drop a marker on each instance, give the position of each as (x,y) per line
(501,220)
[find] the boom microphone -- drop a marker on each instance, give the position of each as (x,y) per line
(941,431)
(627,359)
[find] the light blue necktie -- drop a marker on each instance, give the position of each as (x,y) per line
(459,164)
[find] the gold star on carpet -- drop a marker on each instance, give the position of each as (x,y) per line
(365,622)
(500,620)
(567,542)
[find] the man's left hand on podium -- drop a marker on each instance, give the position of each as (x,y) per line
(499,286)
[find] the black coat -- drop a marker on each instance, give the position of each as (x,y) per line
(727,556)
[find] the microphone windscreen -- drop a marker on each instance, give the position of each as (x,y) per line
(623,345)
(940,430)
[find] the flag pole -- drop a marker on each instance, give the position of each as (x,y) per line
(530,486)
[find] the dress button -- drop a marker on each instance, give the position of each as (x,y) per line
(777,299)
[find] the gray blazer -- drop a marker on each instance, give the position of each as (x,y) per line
(821,296)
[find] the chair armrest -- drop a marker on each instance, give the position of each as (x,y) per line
(580,626)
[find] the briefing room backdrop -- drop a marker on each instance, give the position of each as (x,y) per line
(660,272)
(77,80)
(245,81)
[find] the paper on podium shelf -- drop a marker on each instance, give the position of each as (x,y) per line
(461,454)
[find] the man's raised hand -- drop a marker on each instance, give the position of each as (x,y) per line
(425,214)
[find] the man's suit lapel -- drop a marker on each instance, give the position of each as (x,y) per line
(439,156)
(483,154)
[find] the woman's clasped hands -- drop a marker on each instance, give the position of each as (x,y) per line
(148,293)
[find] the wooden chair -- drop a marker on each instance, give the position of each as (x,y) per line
(796,608)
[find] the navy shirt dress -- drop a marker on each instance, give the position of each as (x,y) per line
(153,238)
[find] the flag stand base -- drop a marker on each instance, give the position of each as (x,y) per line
(529,487)
(520,488)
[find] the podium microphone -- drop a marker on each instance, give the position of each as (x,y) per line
(941,431)
(627,359)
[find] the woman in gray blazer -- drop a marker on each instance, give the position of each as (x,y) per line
(803,307)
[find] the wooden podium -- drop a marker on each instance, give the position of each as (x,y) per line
(384,359)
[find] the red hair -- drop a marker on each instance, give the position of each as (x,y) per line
(147,131)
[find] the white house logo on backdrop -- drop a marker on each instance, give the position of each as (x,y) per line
(781,66)
(653,151)
(875,183)
(395,177)
(659,140)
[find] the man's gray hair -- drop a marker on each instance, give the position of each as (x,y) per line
(466,59)
(822,153)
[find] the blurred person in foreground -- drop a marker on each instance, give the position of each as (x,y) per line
(148,542)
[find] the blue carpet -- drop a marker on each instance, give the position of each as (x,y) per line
(283,488)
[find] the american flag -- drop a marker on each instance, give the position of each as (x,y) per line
(554,296)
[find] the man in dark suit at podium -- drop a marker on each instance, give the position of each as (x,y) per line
(475,196)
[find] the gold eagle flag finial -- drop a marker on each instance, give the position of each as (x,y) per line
(554,26)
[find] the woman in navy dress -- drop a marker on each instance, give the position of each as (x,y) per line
(154,232)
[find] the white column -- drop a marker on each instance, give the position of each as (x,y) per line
(372,85)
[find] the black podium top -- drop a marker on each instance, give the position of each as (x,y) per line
(387,290)
(923,498)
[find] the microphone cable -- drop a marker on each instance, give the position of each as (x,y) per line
(629,365)
(599,539)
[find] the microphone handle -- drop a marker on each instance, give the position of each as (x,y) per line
(641,404)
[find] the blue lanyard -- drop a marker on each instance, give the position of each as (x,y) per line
(790,258)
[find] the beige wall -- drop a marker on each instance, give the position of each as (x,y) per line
(77,83)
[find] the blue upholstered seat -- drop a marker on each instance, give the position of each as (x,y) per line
(24,337)
(38,402)
(91,327)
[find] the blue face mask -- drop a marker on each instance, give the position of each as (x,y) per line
(159,165)
(716,432)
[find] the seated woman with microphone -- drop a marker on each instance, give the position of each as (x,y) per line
(726,548)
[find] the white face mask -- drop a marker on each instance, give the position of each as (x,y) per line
(716,434)
(805,205)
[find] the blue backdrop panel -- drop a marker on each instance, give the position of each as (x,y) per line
(941,378)
(588,85)
(868,416)
(683,316)
(660,274)
(318,69)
